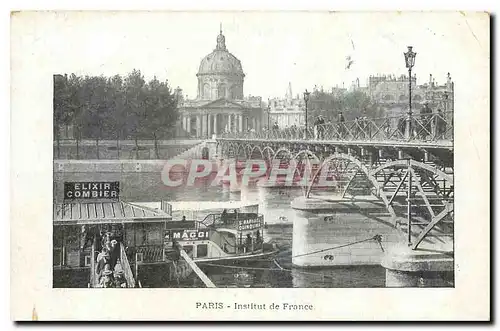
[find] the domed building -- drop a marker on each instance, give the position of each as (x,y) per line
(220,105)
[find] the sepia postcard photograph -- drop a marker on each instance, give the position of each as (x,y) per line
(250,165)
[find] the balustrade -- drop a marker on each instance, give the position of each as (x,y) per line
(423,128)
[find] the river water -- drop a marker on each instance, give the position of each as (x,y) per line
(274,205)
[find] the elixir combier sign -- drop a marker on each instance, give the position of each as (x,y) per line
(91,190)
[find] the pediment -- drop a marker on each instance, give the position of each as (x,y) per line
(223,103)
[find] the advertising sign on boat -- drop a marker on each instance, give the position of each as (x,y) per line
(187,235)
(249,224)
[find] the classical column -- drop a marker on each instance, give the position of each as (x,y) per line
(198,125)
(209,125)
(188,124)
(215,124)
(240,122)
(253,124)
(204,125)
(229,122)
(258,125)
(184,122)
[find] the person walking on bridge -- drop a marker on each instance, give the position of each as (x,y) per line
(440,125)
(316,128)
(425,119)
(341,125)
(321,127)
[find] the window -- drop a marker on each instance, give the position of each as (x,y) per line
(206,91)
(57,256)
(57,237)
(139,257)
(188,249)
(72,237)
(154,234)
(201,250)
(87,260)
(221,91)
(129,235)
(140,235)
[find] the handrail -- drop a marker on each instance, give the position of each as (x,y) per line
(93,282)
(418,127)
(150,253)
(129,276)
(232,217)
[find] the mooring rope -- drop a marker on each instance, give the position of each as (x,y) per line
(264,269)
(234,267)
(376,237)
(301,272)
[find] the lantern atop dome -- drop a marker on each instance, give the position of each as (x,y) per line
(221,40)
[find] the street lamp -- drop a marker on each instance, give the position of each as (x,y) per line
(410,62)
(306,99)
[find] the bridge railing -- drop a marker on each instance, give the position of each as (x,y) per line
(419,127)
(99,149)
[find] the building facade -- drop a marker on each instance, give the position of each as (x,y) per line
(286,112)
(389,89)
(220,105)
(394,91)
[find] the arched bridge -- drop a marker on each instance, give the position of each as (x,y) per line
(407,162)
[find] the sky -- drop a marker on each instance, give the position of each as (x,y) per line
(275,48)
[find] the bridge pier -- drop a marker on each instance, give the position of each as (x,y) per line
(418,268)
(341,231)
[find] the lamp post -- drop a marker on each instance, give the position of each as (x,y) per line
(306,99)
(410,62)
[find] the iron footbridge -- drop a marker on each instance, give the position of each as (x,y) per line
(405,161)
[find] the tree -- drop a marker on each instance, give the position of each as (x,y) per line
(161,108)
(114,107)
(60,103)
(352,104)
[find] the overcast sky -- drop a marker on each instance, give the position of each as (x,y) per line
(274,47)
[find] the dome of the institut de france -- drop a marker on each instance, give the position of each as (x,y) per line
(220,74)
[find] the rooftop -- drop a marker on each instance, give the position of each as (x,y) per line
(105,212)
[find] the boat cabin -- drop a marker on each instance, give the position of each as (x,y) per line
(79,229)
(220,233)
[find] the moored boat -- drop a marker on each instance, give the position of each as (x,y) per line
(124,244)
(224,236)
(110,238)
